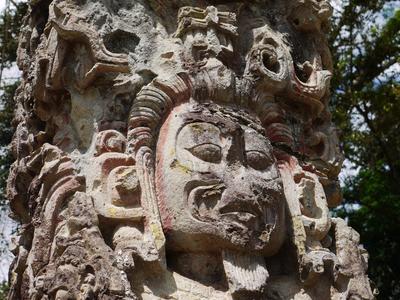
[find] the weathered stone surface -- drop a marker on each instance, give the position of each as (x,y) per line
(178,150)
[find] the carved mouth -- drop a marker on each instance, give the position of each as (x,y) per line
(242,207)
(250,214)
(204,200)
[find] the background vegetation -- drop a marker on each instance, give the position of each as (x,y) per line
(365,103)
(365,41)
(10,24)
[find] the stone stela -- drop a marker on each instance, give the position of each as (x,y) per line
(179,150)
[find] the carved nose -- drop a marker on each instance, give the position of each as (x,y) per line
(235,153)
(238,203)
(238,187)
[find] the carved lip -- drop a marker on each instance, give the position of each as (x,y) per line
(241,206)
(249,213)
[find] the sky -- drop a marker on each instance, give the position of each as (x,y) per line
(3,3)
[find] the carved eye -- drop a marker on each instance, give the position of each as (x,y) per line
(207,152)
(258,160)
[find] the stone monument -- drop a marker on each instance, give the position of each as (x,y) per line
(178,149)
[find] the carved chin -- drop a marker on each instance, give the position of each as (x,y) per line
(237,222)
(245,230)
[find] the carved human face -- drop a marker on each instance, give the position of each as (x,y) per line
(217,182)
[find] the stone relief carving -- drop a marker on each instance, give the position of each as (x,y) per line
(177,150)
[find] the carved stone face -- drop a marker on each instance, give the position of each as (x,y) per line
(217,183)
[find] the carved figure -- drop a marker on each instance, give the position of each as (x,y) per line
(177,150)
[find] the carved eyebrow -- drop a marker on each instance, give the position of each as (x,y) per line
(206,133)
(261,151)
(224,124)
(201,144)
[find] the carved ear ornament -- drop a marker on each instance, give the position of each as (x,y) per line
(65,31)
(150,107)
(104,61)
(270,66)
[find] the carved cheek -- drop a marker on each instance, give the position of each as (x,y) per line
(163,176)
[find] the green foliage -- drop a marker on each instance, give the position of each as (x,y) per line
(377,220)
(366,107)
(6,132)
(10,24)
(3,290)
